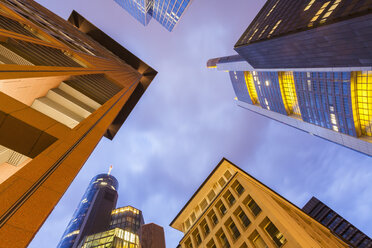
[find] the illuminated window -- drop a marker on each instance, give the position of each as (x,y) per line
(361,95)
(263,31)
(255,31)
(288,90)
(272,8)
(252,205)
(275,234)
(308,6)
(274,28)
(267,83)
(317,14)
(251,87)
(330,10)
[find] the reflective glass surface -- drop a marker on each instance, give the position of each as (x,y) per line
(73,228)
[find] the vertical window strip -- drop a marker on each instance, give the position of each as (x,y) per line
(362,102)
(317,14)
(271,10)
(330,10)
(274,28)
(251,87)
(289,96)
(308,6)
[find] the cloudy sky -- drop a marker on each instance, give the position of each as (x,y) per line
(187,121)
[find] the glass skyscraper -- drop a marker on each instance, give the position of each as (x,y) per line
(97,223)
(166,12)
(90,211)
(307,66)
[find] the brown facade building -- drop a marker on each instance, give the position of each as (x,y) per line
(63,85)
(233,209)
(152,236)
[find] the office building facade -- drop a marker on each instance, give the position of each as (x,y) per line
(233,209)
(167,13)
(307,66)
(94,211)
(309,34)
(336,223)
(63,86)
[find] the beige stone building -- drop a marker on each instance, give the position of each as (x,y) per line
(233,209)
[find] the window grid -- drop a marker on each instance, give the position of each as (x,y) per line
(251,87)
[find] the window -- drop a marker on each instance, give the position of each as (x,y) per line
(188,243)
(227,174)
(211,244)
(335,222)
(193,217)
(224,242)
(348,232)
(239,189)
(231,199)
(203,204)
(244,219)
(252,205)
(222,209)
(355,238)
(206,229)
(275,234)
(234,230)
(364,243)
(328,217)
(259,243)
(211,195)
(341,227)
(197,238)
(213,217)
(221,182)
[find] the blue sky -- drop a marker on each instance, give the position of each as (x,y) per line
(187,121)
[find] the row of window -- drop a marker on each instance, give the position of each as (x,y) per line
(206,201)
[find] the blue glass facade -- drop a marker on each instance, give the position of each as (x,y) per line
(166,12)
(325,100)
(240,87)
(73,229)
(268,91)
(139,9)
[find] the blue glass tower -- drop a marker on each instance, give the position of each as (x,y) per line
(166,12)
(93,213)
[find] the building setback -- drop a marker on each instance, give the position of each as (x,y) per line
(308,64)
(233,209)
(61,90)
(166,12)
(338,225)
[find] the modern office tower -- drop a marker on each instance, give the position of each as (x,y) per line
(308,66)
(94,211)
(124,230)
(62,87)
(233,209)
(166,12)
(338,225)
(309,34)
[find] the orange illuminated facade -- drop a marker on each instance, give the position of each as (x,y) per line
(63,85)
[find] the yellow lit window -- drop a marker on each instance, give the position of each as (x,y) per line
(288,90)
(263,31)
(330,10)
(308,6)
(274,28)
(271,10)
(251,87)
(317,14)
(361,98)
(255,31)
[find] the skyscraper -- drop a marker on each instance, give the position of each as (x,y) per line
(325,215)
(307,66)
(94,211)
(167,13)
(64,85)
(97,223)
(233,209)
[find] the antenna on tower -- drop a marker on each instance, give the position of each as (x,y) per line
(109,172)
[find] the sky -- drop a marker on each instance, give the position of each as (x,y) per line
(188,120)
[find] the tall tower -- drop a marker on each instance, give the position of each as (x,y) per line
(305,64)
(63,86)
(167,13)
(94,211)
(233,209)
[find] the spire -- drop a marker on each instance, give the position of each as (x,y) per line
(109,172)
